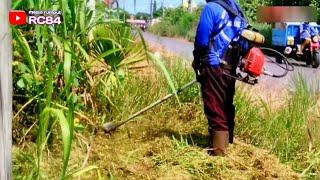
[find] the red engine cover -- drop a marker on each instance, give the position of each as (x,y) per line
(254,62)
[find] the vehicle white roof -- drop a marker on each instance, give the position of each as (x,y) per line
(297,23)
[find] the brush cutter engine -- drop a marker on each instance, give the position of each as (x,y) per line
(253,62)
(251,65)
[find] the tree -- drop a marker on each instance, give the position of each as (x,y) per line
(142,15)
(190,5)
(316,4)
(158,12)
(291,2)
(250,7)
(123,15)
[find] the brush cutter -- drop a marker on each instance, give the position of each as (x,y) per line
(250,64)
(111,126)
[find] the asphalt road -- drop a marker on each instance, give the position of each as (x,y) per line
(269,84)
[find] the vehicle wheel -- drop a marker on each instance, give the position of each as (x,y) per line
(315,59)
(307,57)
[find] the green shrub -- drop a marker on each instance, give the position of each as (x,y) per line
(250,7)
(178,23)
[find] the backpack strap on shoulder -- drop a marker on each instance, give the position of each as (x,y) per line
(228,8)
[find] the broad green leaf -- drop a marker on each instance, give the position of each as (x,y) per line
(107,53)
(26,50)
(50,75)
(72,5)
(65,9)
(56,115)
(82,15)
(67,62)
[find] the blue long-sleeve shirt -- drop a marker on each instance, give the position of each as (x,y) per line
(307,31)
(216,29)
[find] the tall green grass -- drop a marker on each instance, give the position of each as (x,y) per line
(286,129)
(70,70)
(170,138)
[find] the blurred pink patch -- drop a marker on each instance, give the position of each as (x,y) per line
(287,14)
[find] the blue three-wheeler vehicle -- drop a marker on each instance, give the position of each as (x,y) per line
(286,39)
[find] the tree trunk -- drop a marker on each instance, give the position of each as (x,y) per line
(5,92)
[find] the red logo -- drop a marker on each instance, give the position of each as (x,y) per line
(17,17)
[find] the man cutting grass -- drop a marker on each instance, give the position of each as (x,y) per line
(217,29)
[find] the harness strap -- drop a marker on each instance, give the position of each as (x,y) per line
(229,9)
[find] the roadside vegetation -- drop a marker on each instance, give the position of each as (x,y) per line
(68,72)
(290,130)
(169,141)
(179,22)
(70,79)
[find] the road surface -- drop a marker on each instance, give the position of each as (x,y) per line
(272,86)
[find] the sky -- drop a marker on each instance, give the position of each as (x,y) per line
(144,5)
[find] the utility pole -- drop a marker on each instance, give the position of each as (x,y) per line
(190,4)
(162,8)
(135,6)
(5,92)
(124,9)
(151,9)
